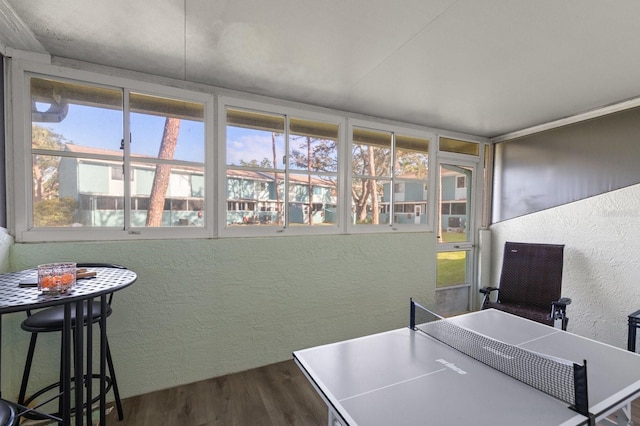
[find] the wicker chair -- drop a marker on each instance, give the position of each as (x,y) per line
(531,284)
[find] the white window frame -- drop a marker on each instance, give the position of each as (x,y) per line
(215,101)
(477,163)
(431,200)
(289,112)
(19,171)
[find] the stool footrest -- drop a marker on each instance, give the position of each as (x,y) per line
(34,415)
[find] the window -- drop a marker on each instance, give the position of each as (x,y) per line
(117,173)
(459,208)
(389,174)
(113,158)
(282,168)
(459,147)
(81,156)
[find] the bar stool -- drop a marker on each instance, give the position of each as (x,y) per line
(51,320)
(8,413)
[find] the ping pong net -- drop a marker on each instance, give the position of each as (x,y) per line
(562,379)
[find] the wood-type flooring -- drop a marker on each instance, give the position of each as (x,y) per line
(273,395)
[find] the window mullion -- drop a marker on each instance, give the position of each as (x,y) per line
(392,185)
(285,205)
(126,157)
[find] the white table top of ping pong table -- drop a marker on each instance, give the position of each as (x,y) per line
(404,377)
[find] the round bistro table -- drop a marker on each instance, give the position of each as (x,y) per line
(17,298)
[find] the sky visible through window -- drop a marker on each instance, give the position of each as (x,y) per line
(102,128)
(247,144)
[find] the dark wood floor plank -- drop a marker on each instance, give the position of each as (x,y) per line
(246,404)
(201,400)
(287,395)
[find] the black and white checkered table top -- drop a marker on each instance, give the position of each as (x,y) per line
(14,298)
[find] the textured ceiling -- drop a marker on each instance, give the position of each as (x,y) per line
(485,67)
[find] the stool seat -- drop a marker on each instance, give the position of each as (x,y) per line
(8,413)
(51,319)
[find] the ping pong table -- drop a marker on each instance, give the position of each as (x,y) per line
(409,377)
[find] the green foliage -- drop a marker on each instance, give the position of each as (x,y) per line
(45,167)
(265,163)
(44,138)
(55,212)
(370,158)
(412,164)
(313,154)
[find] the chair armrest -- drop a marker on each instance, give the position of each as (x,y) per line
(487,295)
(559,312)
(488,290)
(562,302)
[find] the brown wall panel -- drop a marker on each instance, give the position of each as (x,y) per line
(566,164)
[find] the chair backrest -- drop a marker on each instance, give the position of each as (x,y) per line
(531,274)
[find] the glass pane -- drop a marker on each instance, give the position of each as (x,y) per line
(371,153)
(459,147)
(455,198)
(410,184)
(167,128)
(165,195)
(74,117)
(255,139)
(254,198)
(371,137)
(313,146)
(320,208)
(255,120)
(73,122)
(74,192)
(412,157)
(369,206)
(451,268)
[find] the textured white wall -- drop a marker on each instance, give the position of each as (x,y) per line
(205,308)
(601,259)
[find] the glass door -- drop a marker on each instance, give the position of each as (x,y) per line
(456,231)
